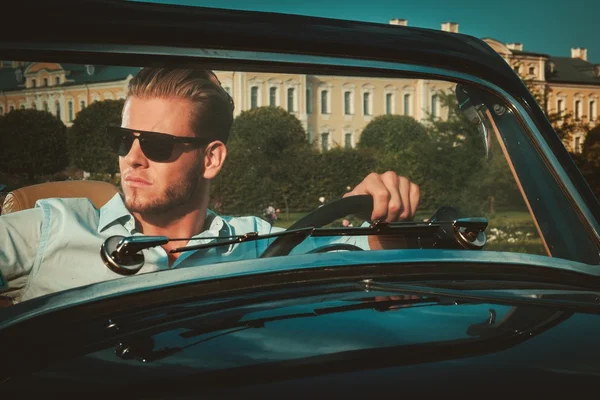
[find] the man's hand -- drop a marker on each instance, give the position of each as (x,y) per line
(395,198)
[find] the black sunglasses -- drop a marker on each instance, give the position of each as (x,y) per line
(156,146)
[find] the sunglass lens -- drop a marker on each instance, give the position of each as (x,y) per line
(156,148)
(121,140)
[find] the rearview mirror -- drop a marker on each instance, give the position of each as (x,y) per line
(474,109)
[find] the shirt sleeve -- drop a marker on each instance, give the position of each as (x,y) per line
(20,235)
(312,243)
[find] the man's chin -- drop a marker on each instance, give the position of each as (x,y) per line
(140,205)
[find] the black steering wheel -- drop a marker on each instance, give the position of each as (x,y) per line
(360,205)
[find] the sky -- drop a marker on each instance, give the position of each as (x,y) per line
(543,26)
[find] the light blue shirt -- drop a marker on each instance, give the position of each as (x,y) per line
(55,246)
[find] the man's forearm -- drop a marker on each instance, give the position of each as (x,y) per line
(387,242)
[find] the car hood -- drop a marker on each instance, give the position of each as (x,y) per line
(330,340)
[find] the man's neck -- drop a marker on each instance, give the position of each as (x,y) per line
(172,225)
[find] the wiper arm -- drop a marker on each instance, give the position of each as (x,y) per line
(123,254)
(376,228)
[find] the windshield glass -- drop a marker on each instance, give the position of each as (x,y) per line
(201,157)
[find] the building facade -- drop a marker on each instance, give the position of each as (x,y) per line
(571,84)
(61,89)
(333,109)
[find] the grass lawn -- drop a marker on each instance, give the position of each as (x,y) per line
(505,218)
(511,231)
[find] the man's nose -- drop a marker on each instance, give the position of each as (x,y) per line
(136,156)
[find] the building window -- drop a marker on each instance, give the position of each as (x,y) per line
(324,141)
(45,105)
(348,140)
(407,104)
(308,101)
(45,81)
(367,103)
(324,102)
(560,106)
(291,107)
(310,134)
(57,80)
(531,70)
(57,106)
(273,96)
(34,106)
(70,106)
(11,108)
(577,110)
(254,97)
(593,113)
(347,103)
(577,146)
(33,83)
(81,105)
(434,106)
(388,103)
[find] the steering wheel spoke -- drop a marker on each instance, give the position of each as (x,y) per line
(326,214)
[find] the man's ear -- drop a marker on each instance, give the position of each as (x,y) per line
(214,157)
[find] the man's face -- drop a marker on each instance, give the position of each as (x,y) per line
(158,187)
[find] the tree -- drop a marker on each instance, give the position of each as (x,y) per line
(399,143)
(589,160)
(32,142)
(269,161)
(592,142)
(89,146)
(396,133)
(403,145)
(462,172)
(338,169)
(564,123)
(566,126)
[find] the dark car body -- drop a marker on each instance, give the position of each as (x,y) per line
(452,322)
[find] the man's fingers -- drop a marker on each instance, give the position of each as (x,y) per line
(415,198)
(404,189)
(396,202)
(394,197)
(381,198)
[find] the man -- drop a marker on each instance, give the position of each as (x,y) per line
(171,144)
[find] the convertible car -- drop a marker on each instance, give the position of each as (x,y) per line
(492,288)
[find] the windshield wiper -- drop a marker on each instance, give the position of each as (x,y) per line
(141,348)
(123,254)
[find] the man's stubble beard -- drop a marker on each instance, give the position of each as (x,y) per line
(176,195)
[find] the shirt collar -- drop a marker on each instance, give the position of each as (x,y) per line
(214,222)
(115,211)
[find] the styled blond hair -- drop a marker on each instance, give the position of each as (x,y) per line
(213,112)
